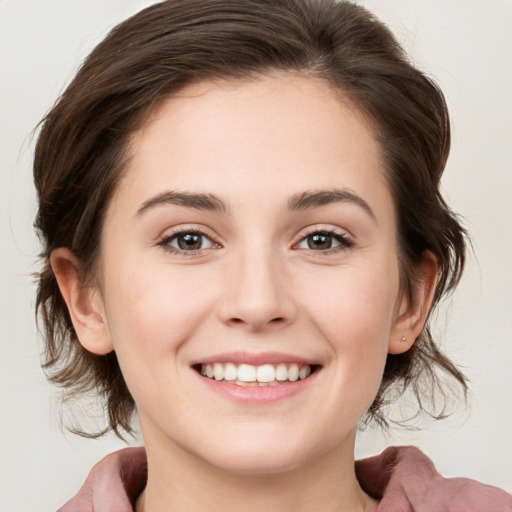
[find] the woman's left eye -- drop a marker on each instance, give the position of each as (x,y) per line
(187,241)
(323,241)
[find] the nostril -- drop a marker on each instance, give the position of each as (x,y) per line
(274,320)
(255,323)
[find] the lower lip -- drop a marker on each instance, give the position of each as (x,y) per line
(259,394)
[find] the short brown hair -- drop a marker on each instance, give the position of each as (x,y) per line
(79,157)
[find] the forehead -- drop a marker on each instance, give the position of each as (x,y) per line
(274,136)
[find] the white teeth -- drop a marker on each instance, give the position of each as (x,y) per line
(293,372)
(281,372)
(265,373)
(218,371)
(304,372)
(250,375)
(230,372)
(245,384)
(247,373)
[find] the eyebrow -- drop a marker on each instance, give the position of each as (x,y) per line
(199,201)
(316,198)
(303,201)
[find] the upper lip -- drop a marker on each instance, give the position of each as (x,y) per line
(256,359)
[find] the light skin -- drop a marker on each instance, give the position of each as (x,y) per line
(280,185)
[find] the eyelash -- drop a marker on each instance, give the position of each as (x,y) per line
(167,239)
(345,242)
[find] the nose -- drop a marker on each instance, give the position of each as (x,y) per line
(257,293)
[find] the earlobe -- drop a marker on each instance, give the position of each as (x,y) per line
(84,303)
(413,311)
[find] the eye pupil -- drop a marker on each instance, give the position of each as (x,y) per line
(319,241)
(190,241)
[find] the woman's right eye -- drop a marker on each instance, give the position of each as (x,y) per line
(187,241)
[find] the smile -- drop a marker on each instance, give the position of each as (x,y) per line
(251,375)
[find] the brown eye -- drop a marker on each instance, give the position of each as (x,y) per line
(319,241)
(189,241)
(324,240)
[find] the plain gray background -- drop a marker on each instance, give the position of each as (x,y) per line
(465,45)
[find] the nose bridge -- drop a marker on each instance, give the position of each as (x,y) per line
(256,293)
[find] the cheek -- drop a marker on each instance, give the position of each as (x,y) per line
(356,306)
(356,318)
(151,315)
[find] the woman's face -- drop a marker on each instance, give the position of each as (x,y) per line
(254,237)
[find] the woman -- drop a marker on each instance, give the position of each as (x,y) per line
(244,239)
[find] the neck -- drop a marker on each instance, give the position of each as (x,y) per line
(178,480)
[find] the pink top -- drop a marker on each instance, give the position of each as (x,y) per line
(402,478)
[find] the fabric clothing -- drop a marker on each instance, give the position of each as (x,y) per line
(402,478)
(405,480)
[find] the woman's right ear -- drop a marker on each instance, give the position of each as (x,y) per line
(85,304)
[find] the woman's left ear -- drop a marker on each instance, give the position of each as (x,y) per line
(413,311)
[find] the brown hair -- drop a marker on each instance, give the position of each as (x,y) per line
(82,142)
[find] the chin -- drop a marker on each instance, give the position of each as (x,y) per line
(256,461)
(262,452)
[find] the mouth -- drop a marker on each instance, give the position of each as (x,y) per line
(263,375)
